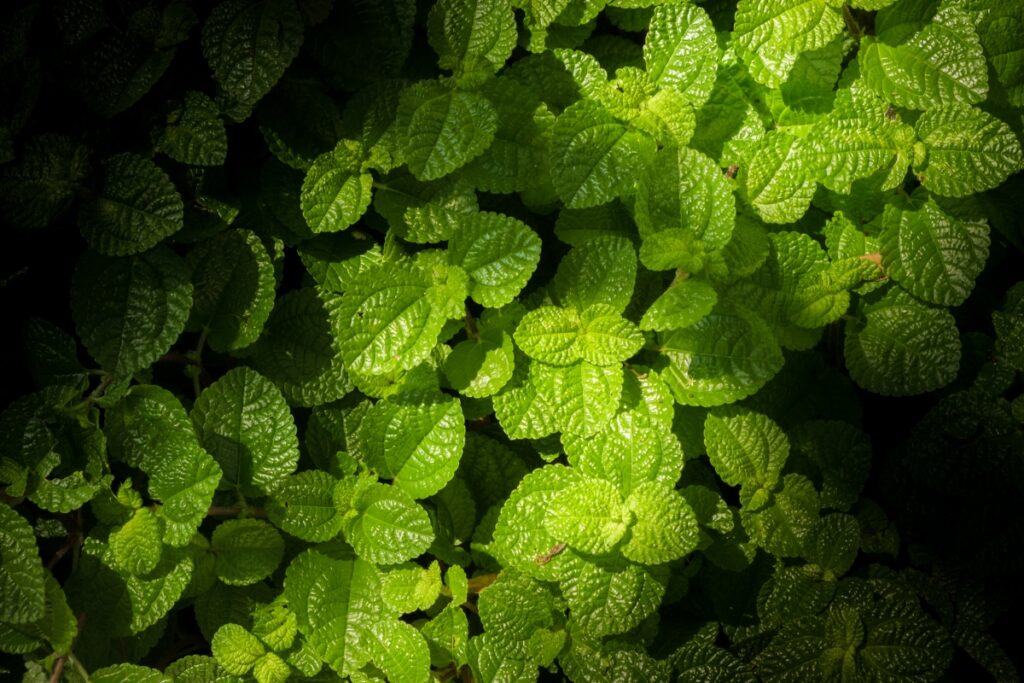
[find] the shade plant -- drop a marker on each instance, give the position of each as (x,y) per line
(506,340)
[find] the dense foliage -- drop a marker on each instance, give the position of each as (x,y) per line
(489,340)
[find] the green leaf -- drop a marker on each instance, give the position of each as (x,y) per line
(594,157)
(386,320)
(22,579)
(902,348)
(416,443)
(43,184)
(472,35)
(442,129)
(968,150)
(697,662)
(601,270)
(550,334)
(514,607)
(745,448)
(933,255)
(274,624)
(235,649)
(183,479)
(834,542)
(583,396)
(608,597)
(857,140)
(725,356)
(776,180)
(773,33)
(499,253)
(129,311)
(128,672)
(424,212)
(400,651)
(681,305)
(336,191)
(481,367)
(606,338)
(152,596)
(52,354)
(385,525)
(247,551)
(136,207)
(447,635)
(233,288)
(244,422)
(665,528)
(786,520)
(518,157)
(588,515)
(194,133)
(941,64)
(249,45)
(631,449)
(300,347)
(410,587)
(136,545)
(198,669)
(842,455)
(683,189)
(523,408)
(303,505)
(521,539)
(271,669)
(681,51)
(300,121)
(336,601)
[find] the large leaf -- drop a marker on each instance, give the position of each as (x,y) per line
(722,358)
(195,133)
(443,129)
(680,51)
(417,444)
(594,157)
(588,515)
(249,44)
(244,422)
(137,207)
(22,594)
(968,150)
(247,551)
(933,255)
(773,33)
(336,191)
(472,35)
(943,63)
(499,253)
(745,448)
(129,311)
(386,526)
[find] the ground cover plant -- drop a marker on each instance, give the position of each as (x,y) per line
(506,340)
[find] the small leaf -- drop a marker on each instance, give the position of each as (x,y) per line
(601,270)
(499,253)
(303,506)
(136,545)
(22,589)
(247,551)
(235,649)
(194,133)
(681,305)
(745,448)
(136,208)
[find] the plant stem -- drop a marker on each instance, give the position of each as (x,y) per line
(851,23)
(58,669)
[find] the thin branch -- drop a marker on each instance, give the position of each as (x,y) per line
(58,669)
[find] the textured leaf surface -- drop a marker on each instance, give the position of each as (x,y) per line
(249,45)
(22,593)
(235,649)
(588,515)
(472,34)
(128,311)
(136,545)
(935,256)
(233,288)
(136,207)
(386,321)
(683,304)
(611,597)
(665,528)
(336,601)
(303,506)
(784,524)
(776,179)
(336,191)
(418,445)
(386,526)
(903,348)
(599,271)
(42,185)
(443,129)
(943,63)
(680,51)
(299,349)
(514,607)
(774,32)
(194,133)
(244,422)
(247,551)
(499,253)
(593,155)
(746,448)
(722,358)
(684,189)
(968,150)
